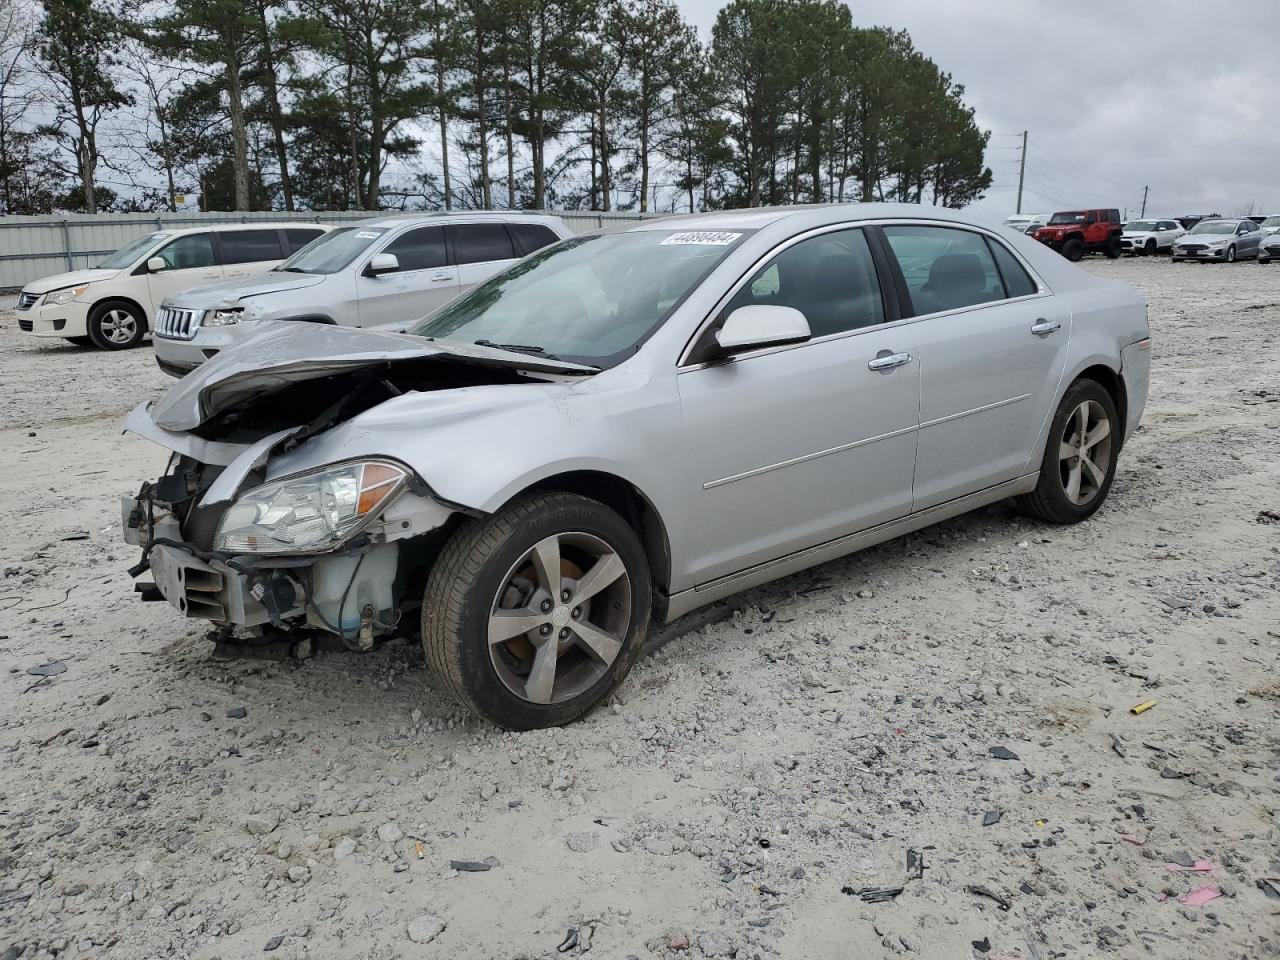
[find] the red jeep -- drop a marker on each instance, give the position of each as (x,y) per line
(1077,232)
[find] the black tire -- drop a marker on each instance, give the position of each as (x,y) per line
(1073,249)
(1231,254)
(1150,249)
(80,341)
(472,574)
(116,325)
(1050,501)
(1113,248)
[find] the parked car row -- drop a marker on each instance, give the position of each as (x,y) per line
(199,290)
(1074,233)
(617,429)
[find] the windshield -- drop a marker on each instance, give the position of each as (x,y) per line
(130,252)
(1140,226)
(590,299)
(1271,222)
(1074,217)
(332,251)
(1215,226)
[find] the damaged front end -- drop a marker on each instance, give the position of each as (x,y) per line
(340,544)
(324,549)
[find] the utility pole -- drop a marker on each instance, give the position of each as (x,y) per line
(1144,202)
(1022,170)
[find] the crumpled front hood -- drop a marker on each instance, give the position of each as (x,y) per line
(73,279)
(283,352)
(231,292)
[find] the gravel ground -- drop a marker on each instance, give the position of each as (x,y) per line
(750,780)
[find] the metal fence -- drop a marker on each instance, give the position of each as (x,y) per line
(35,247)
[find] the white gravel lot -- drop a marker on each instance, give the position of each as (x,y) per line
(749,779)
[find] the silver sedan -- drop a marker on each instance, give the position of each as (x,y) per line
(628,425)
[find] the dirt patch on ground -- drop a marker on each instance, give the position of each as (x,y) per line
(751,781)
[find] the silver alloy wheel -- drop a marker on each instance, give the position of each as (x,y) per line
(1231,254)
(560,618)
(1084,453)
(118,326)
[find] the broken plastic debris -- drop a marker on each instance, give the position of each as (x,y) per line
(272,944)
(569,942)
(992,817)
(1142,707)
(1002,753)
(474,866)
(1199,866)
(915,864)
(1130,838)
(978,890)
(1198,898)
(50,669)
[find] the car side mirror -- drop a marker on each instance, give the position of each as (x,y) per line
(156,264)
(762,325)
(382,263)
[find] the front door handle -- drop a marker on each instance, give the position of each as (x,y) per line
(888,361)
(1042,327)
(441,276)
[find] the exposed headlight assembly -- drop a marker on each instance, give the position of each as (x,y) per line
(223,316)
(310,513)
(65,295)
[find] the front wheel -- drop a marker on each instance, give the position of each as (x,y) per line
(1079,459)
(1231,254)
(116,325)
(1150,248)
(533,616)
(1113,248)
(1073,249)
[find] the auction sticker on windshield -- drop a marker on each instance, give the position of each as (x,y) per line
(706,238)
(368,235)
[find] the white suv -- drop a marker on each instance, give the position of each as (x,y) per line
(374,273)
(113,305)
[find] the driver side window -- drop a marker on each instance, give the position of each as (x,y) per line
(830,278)
(188,253)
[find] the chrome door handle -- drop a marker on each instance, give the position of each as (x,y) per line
(1042,328)
(441,276)
(889,361)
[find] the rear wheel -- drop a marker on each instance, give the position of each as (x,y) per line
(1079,459)
(1073,249)
(116,325)
(533,616)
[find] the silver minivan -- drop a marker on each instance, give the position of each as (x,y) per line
(374,273)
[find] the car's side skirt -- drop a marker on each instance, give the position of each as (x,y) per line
(681,603)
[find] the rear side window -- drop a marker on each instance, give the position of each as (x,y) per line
(945,268)
(830,278)
(531,236)
(295,238)
(188,253)
(250,246)
(1017,282)
(480,242)
(419,249)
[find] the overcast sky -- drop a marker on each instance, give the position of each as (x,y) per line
(1181,96)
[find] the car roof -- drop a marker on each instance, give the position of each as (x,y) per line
(801,215)
(249,225)
(460,216)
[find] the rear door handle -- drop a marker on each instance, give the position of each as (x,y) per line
(888,361)
(1042,328)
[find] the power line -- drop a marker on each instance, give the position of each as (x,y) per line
(1093,174)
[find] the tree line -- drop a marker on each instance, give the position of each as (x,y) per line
(392,104)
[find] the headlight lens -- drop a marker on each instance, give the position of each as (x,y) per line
(65,295)
(223,317)
(311,513)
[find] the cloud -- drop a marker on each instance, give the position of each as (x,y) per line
(1116,96)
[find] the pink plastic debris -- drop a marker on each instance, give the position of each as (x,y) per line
(1200,866)
(1130,838)
(1198,898)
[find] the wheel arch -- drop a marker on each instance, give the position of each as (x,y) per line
(630,503)
(1112,382)
(119,298)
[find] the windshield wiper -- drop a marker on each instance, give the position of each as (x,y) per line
(517,348)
